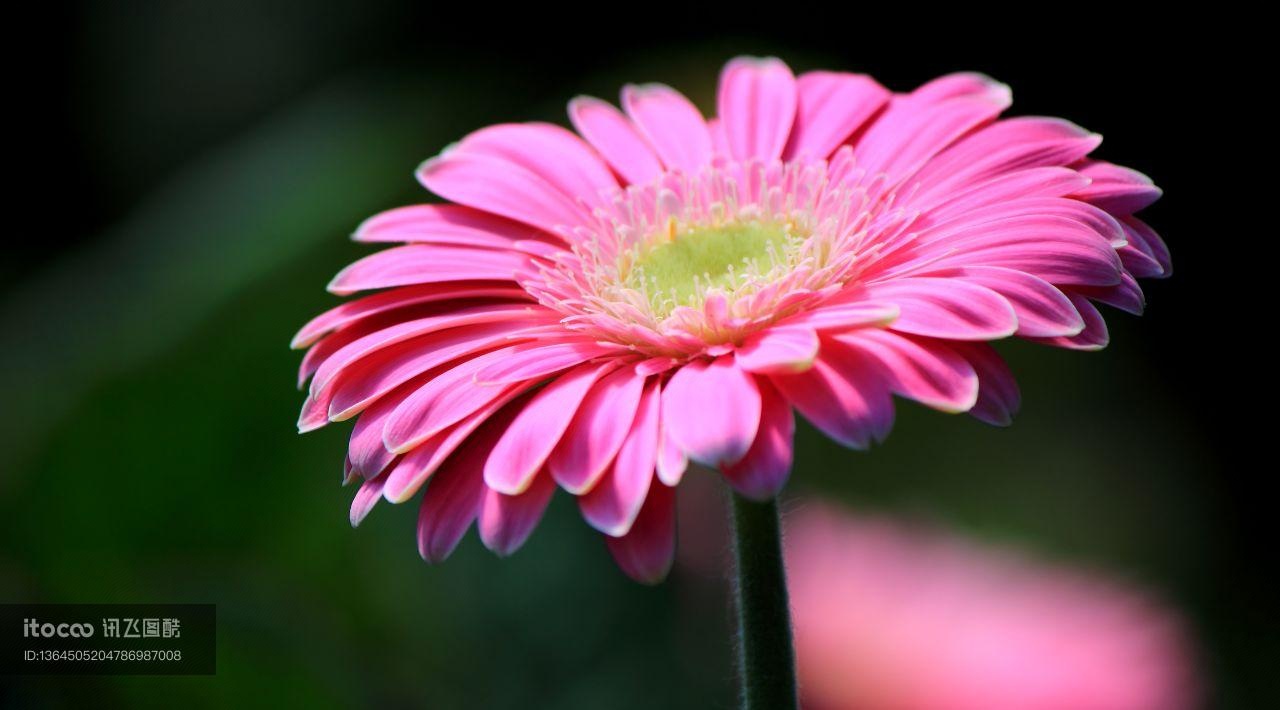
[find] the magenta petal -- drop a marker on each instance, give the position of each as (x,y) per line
(998,395)
(503,188)
(453,499)
(507,521)
(761,474)
(1094,336)
(598,430)
(844,395)
(671,124)
(611,506)
(1117,189)
(445,224)
(671,460)
(366,498)
(830,107)
(427,263)
(927,371)
(778,350)
(616,138)
(554,154)
(757,104)
(645,553)
(1042,310)
(525,446)
(946,308)
(712,410)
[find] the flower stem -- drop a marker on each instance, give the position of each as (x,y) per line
(766,660)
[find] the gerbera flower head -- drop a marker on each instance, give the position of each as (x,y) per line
(592,311)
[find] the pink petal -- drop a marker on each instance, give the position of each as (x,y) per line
(1093,337)
(453,499)
(366,498)
(552,153)
(1043,310)
(946,308)
(831,106)
(444,224)
(920,125)
(361,308)
(503,188)
(539,360)
(1126,295)
(1036,182)
(645,553)
(1006,146)
(416,467)
(616,138)
(368,455)
(611,506)
(928,372)
(757,104)
(597,431)
(524,448)
(778,350)
(507,521)
(712,411)
(843,395)
(456,393)
(427,263)
(1116,189)
(374,376)
(998,395)
(1144,238)
(671,460)
(761,474)
(847,315)
(671,124)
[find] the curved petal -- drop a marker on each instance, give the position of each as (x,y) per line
(507,521)
(1116,189)
(927,371)
(844,395)
(778,350)
(353,311)
(616,138)
(503,188)
(645,553)
(598,430)
(525,446)
(554,154)
(761,474)
(1094,336)
(611,506)
(756,106)
(946,308)
(830,107)
(998,395)
(425,264)
(712,411)
(453,499)
(444,224)
(671,124)
(366,498)
(1042,310)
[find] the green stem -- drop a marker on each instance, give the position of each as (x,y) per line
(766,661)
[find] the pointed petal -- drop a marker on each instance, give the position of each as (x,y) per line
(671,124)
(507,521)
(616,138)
(761,474)
(927,371)
(645,553)
(831,106)
(598,430)
(611,506)
(757,104)
(712,411)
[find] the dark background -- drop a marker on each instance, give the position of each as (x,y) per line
(183,179)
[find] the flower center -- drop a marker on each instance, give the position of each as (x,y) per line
(679,270)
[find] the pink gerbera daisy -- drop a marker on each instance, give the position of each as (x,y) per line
(594,311)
